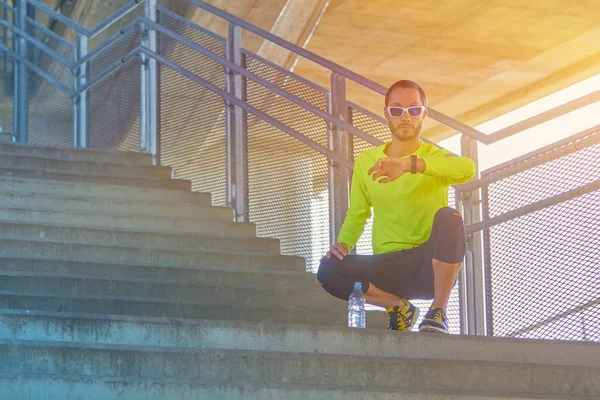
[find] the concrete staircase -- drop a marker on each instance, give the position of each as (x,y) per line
(116,281)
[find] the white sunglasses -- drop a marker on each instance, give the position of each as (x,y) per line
(414,111)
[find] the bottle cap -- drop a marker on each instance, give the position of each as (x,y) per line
(357,285)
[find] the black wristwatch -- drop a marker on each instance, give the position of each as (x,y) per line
(413,164)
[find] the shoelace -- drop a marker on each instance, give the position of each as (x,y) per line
(439,315)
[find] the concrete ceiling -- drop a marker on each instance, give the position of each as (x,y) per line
(476,60)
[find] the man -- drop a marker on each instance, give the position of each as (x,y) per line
(418,241)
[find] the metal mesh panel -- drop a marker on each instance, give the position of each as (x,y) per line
(567,173)
(114,103)
(50,116)
(287,179)
(554,280)
(192,118)
(6,89)
(375,127)
(193,134)
(542,276)
(184,56)
(114,110)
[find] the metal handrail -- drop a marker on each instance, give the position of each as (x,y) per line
(241,103)
(535,158)
(117,15)
(189,23)
(90,33)
(49,32)
(263,82)
(36,69)
(58,16)
(544,117)
(37,43)
(531,208)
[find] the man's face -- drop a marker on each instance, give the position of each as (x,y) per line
(405,127)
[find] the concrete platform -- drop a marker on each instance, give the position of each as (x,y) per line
(99,362)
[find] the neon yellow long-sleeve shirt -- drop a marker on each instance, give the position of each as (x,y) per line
(403,210)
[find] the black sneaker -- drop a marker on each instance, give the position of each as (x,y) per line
(402,318)
(435,321)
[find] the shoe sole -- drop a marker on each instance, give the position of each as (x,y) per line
(416,318)
(433,329)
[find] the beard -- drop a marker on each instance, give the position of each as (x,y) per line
(406,132)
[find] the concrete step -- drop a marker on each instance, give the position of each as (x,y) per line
(172,290)
(155,256)
(296,338)
(76,176)
(99,191)
(69,154)
(129,237)
(216,276)
(154,364)
(8,160)
(329,315)
(94,219)
(35,387)
(118,206)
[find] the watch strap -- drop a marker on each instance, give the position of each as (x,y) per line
(413,164)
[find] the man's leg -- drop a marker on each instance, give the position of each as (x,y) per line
(444,277)
(448,250)
(338,276)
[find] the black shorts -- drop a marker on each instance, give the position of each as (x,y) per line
(405,273)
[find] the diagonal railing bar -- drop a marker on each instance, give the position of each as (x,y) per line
(50,33)
(36,69)
(368,83)
(557,317)
(106,72)
(287,72)
(189,23)
(286,95)
(545,116)
(37,43)
(135,23)
(226,96)
(535,158)
(116,16)
(52,13)
(531,208)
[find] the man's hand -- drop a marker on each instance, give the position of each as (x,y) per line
(340,250)
(391,168)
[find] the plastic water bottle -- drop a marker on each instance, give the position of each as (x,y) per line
(356,308)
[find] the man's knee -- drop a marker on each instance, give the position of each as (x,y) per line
(324,271)
(449,216)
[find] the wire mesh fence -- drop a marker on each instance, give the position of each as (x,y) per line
(288,180)
(192,137)
(114,102)
(542,276)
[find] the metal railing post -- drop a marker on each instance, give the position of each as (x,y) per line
(21,78)
(462,280)
(149,86)
(340,143)
(236,131)
(474,269)
(80,102)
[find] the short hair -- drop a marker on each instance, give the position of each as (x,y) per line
(405,83)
